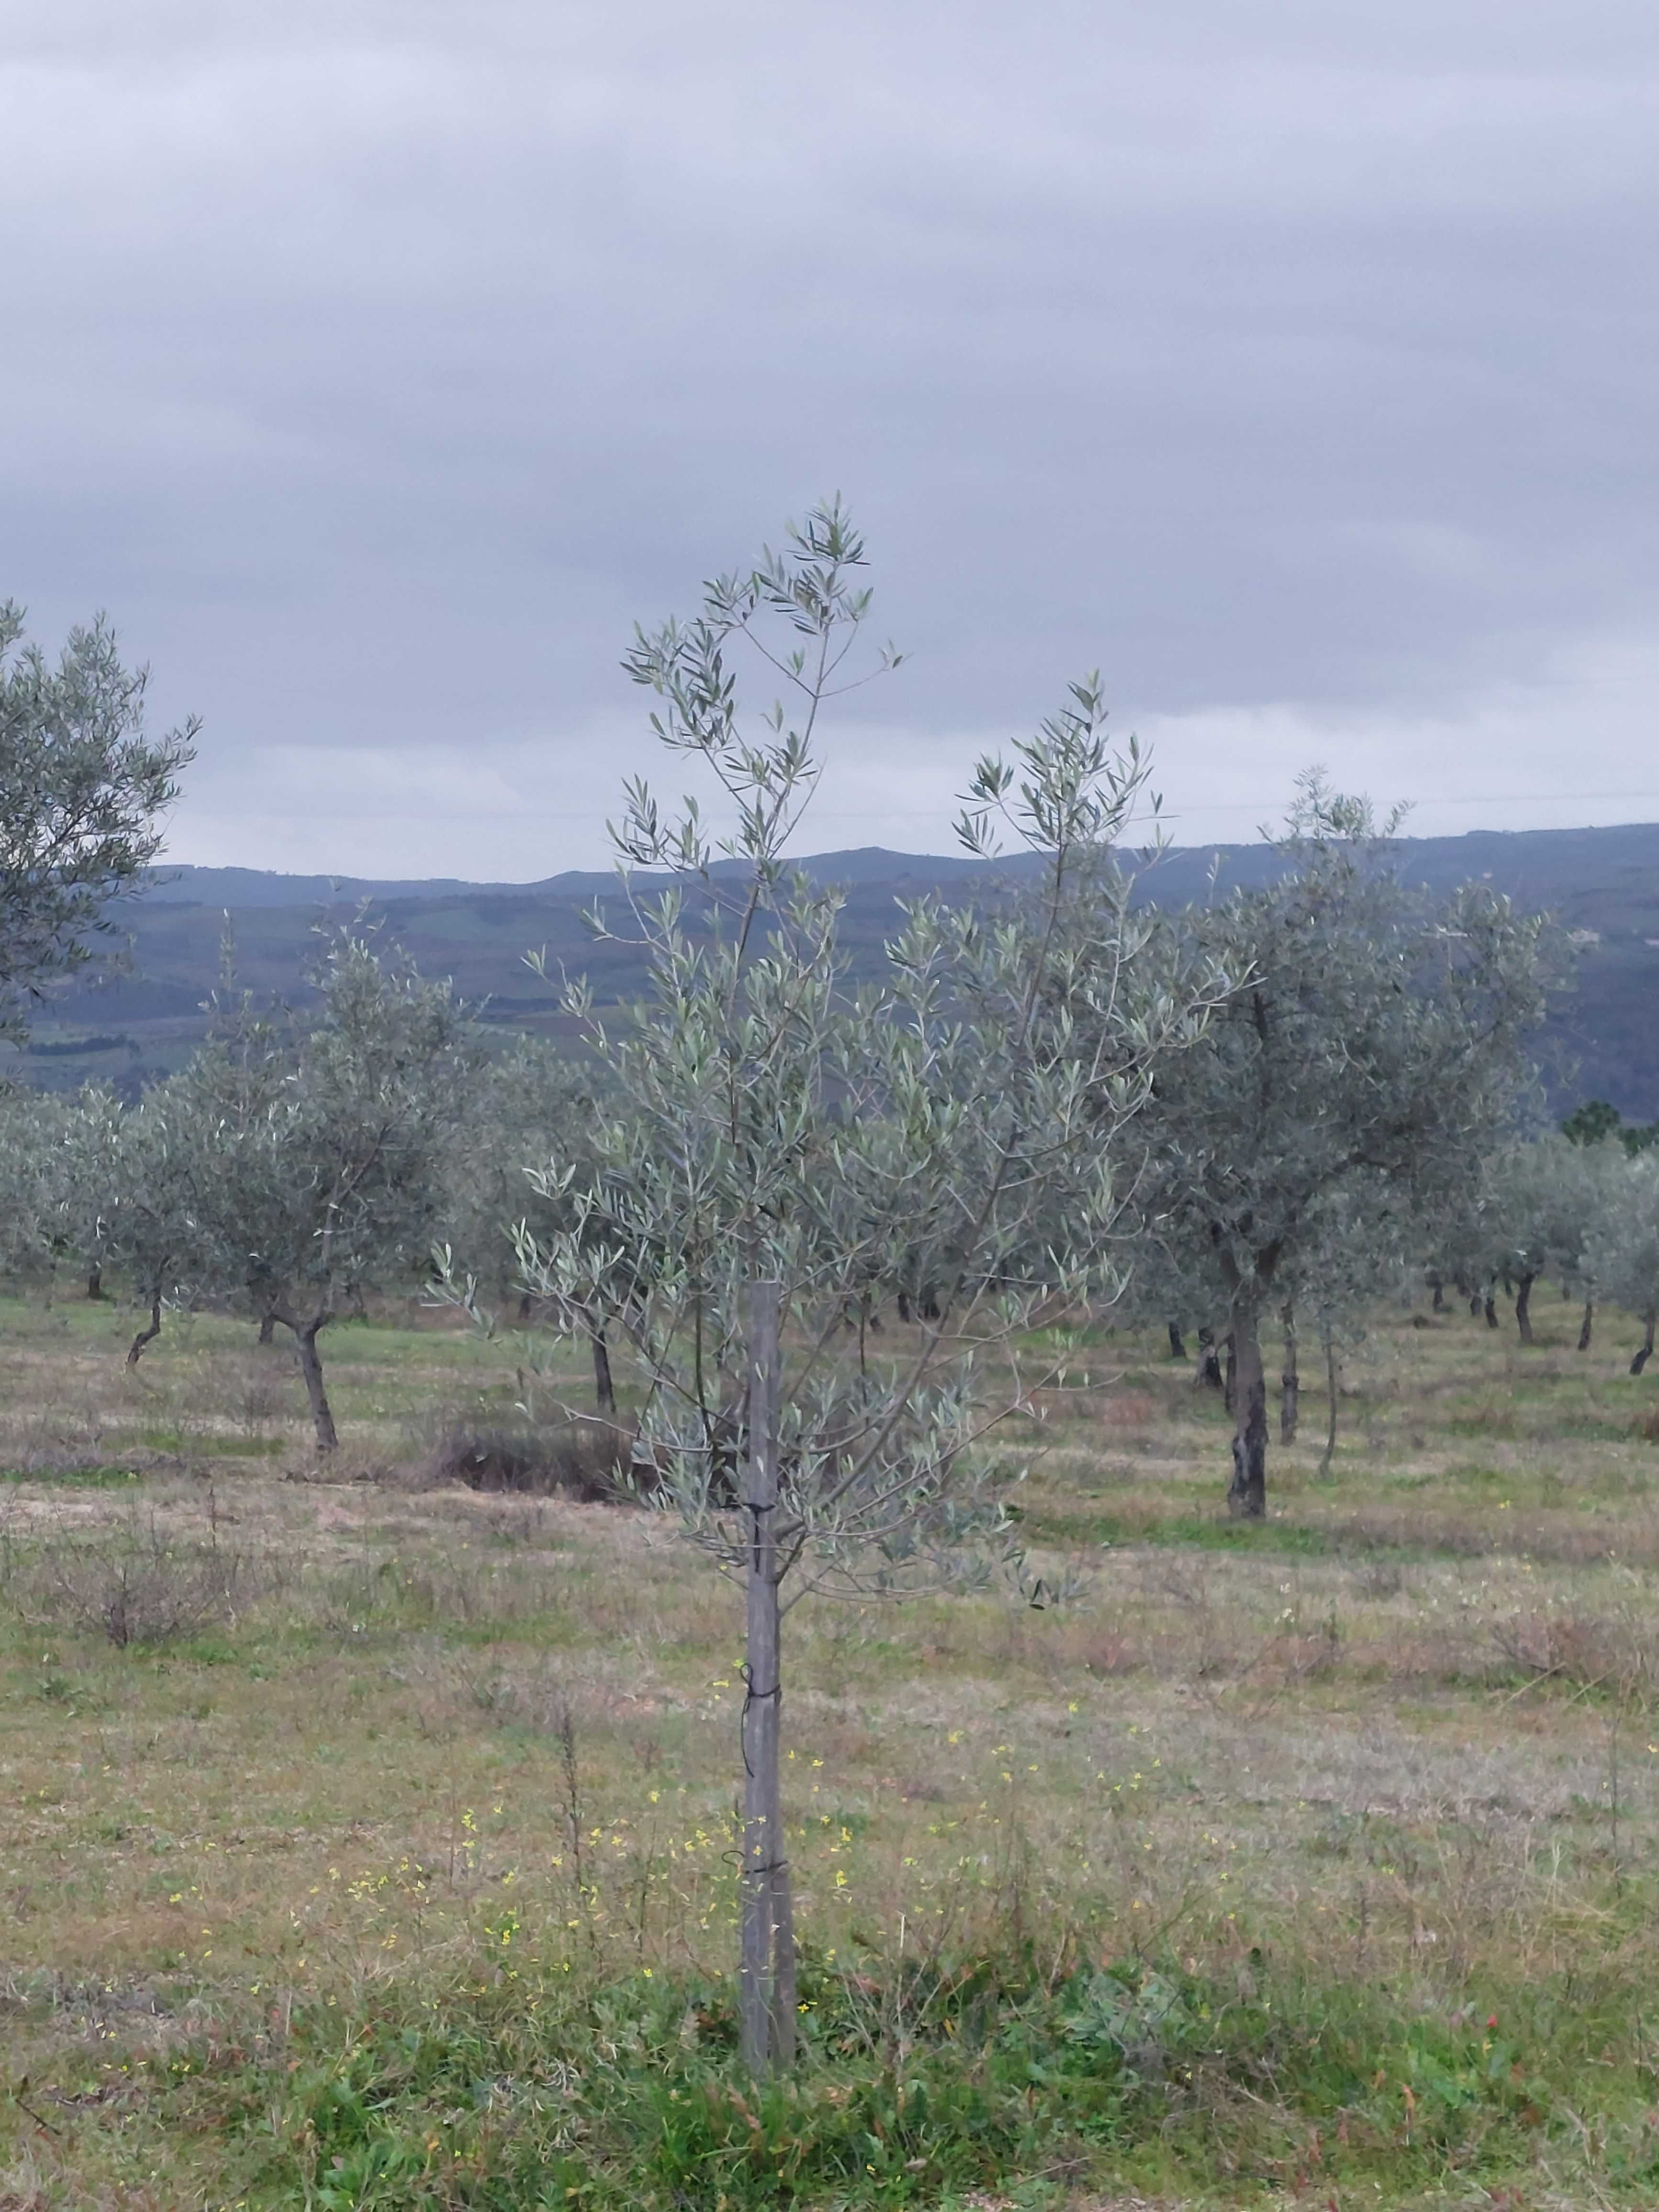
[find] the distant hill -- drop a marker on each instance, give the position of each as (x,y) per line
(129,1028)
(237,888)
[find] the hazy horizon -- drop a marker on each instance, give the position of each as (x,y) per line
(956,858)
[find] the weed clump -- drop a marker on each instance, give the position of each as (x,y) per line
(134,1583)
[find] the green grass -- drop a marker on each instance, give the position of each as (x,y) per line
(1201,1889)
(532,2085)
(545,2091)
(73,1478)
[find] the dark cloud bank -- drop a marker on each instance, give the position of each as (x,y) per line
(376,365)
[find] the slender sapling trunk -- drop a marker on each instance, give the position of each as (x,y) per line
(1586,1327)
(1290,1382)
(1246,1494)
(1646,1351)
(1327,1338)
(766,1974)
(604,1394)
(1524,1307)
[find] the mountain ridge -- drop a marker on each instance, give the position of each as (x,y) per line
(129,1028)
(1521,853)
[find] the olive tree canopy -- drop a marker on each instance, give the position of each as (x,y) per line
(83,790)
(323,1150)
(1378,1041)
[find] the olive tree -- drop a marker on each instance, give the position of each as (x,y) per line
(1378,1040)
(775,1147)
(1621,1255)
(527,1103)
(82,792)
(321,1171)
(168,1183)
(1360,1248)
(1540,1203)
(35,1182)
(83,1179)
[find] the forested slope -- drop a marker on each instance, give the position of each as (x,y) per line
(1603,884)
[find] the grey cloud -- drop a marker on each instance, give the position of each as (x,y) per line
(381,363)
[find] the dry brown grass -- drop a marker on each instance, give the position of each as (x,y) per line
(1404,1726)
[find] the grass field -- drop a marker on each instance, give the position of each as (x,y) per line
(1311,1863)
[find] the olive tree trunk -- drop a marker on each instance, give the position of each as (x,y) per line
(1524,1307)
(766,1970)
(1646,1351)
(135,1349)
(604,1391)
(1177,1342)
(1289,1382)
(1587,1326)
(1327,1338)
(311,1366)
(1246,1493)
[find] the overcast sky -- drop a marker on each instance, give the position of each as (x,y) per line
(376,363)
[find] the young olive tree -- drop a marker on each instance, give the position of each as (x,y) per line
(1541,1202)
(57,1155)
(1599,1183)
(73,1141)
(168,1183)
(1621,1255)
(1378,1041)
(528,1102)
(1360,1246)
(775,1149)
(322,1175)
(91,1180)
(36,1183)
(1459,1246)
(83,791)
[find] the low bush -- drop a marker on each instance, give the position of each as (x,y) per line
(588,1461)
(134,1583)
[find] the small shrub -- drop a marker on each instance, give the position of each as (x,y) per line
(134,1584)
(1380,1578)
(588,1461)
(1583,1649)
(261,1391)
